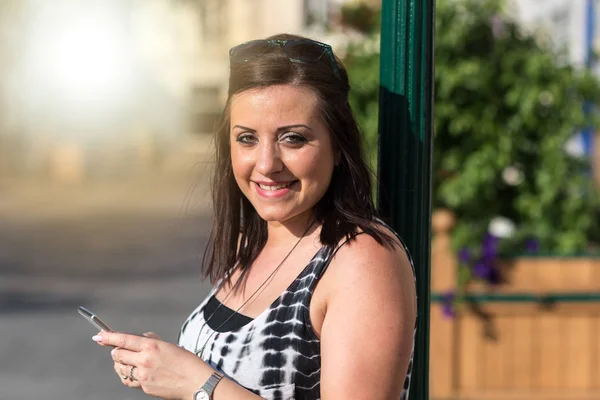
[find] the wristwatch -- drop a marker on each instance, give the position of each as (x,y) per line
(206,391)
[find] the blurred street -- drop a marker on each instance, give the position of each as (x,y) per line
(129,252)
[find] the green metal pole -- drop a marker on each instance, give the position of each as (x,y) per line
(405,149)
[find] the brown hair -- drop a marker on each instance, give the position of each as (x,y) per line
(238,233)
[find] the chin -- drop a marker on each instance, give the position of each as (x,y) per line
(274,217)
(278,215)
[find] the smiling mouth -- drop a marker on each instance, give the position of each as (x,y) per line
(273,188)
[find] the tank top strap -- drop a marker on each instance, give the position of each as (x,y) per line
(310,276)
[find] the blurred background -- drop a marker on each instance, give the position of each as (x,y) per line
(107,110)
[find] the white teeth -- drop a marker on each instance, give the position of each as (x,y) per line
(275,187)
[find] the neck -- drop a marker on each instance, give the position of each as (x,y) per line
(281,233)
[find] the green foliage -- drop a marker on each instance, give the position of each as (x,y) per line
(503,103)
(362,62)
(361,17)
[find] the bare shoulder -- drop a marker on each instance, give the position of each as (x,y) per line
(370,293)
(365,263)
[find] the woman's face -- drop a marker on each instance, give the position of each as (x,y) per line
(281,150)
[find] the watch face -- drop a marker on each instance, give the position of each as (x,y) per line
(202,395)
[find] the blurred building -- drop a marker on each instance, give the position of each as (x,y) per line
(189,51)
(91,87)
(563,22)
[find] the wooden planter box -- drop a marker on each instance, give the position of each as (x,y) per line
(514,346)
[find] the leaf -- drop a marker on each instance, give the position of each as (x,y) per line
(500,100)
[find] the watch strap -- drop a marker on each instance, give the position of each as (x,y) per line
(211,383)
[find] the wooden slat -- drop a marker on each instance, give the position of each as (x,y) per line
(521,275)
(548,363)
(521,361)
(578,328)
(578,276)
(469,357)
(548,373)
(595,352)
(442,364)
(495,354)
(561,394)
(576,353)
(549,275)
(543,352)
(532,309)
(595,332)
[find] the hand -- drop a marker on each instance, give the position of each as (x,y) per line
(160,369)
(124,370)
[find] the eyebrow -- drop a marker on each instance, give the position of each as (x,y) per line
(281,128)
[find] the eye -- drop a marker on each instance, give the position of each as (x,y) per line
(293,138)
(246,138)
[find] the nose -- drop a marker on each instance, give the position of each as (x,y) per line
(268,159)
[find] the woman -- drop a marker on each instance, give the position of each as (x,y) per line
(313,296)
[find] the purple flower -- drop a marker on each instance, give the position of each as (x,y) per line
(489,247)
(490,239)
(464,255)
(448,304)
(532,246)
(488,272)
(482,270)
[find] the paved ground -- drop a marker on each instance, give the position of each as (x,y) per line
(47,352)
(129,252)
(151,226)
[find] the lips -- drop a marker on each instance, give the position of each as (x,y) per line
(273,187)
(273,190)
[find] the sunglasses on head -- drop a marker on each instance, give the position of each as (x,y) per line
(297,50)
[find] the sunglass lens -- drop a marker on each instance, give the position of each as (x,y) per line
(304,51)
(246,51)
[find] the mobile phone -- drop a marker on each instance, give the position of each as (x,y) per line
(94,320)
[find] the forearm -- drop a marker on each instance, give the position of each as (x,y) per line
(229,390)
(226,389)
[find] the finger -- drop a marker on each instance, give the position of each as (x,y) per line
(99,335)
(122,340)
(152,335)
(133,376)
(126,357)
(123,371)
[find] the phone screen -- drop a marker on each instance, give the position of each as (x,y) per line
(94,320)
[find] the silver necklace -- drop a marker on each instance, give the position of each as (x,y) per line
(200,352)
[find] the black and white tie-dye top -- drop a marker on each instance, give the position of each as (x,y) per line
(275,355)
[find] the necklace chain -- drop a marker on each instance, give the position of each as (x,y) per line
(200,352)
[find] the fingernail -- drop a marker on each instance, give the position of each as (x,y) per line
(112,352)
(97,338)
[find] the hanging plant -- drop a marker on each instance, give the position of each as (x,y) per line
(485,268)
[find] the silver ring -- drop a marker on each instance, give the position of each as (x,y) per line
(131,377)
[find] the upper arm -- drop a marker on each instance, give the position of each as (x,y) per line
(367,332)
